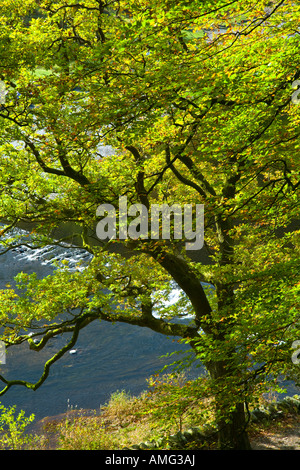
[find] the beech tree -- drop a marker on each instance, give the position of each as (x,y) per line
(197,101)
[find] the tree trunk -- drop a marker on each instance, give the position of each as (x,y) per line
(232,434)
(230,410)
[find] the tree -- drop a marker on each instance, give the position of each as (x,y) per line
(194,98)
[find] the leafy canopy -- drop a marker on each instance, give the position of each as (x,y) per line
(194,101)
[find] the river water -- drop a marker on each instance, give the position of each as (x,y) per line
(108,358)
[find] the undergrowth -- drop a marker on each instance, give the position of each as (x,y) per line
(171,404)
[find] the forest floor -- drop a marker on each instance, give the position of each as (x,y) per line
(280,435)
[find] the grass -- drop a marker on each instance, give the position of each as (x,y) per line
(127,420)
(118,425)
(121,423)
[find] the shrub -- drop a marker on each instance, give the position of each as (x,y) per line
(12,429)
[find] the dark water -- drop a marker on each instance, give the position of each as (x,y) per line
(109,357)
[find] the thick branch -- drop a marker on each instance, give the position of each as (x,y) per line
(139,185)
(180,177)
(67,169)
(189,282)
(155,324)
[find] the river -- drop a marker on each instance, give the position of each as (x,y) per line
(108,357)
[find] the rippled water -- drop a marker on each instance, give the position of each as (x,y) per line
(108,358)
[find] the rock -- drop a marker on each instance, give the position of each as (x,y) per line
(143,446)
(160,442)
(198,432)
(293,402)
(266,411)
(274,411)
(175,441)
(286,406)
(180,438)
(150,444)
(207,430)
(258,415)
(189,435)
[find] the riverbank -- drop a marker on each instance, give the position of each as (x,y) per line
(123,424)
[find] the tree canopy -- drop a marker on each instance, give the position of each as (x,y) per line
(194,99)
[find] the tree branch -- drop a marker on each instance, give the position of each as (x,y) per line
(81,322)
